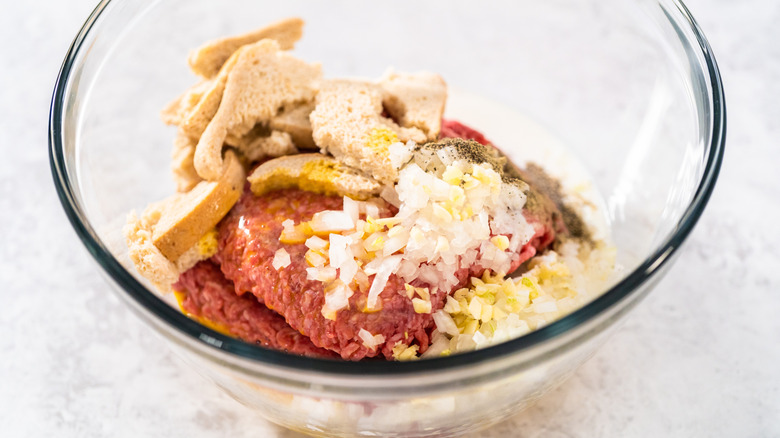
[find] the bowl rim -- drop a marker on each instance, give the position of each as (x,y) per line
(225,344)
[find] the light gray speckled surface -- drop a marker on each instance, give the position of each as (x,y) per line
(700,357)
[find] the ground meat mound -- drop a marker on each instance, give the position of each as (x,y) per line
(208,294)
(248,240)
(240,289)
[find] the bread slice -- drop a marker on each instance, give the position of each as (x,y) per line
(195,121)
(176,111)
(295,121)
(415,100)
(315,173)
(347,114)
(262,81)
(177,223)
(261,142)
(208,59)
(182,165)
(147,258)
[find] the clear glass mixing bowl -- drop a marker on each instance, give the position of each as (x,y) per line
(630,87)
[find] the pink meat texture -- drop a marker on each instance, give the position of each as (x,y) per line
(208,294)
(240,289)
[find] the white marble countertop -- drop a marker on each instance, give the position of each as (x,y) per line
(670,371)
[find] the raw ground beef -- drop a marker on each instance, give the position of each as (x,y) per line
(248,240)
(454,129)
(208,294)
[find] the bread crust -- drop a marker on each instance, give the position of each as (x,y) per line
(262,80)
(346,114)
(315,173)
(182,166)
(295,121)
(188,216)
(208,59)
(163,241)
(415,100)
(261,143)
(176,111)
(195,121)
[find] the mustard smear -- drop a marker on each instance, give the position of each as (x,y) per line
(379,139)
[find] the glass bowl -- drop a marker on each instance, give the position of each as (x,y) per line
(629,88)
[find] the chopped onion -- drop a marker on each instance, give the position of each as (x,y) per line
(372,210)
(338,252)
(393,244)
(391,196)
(369,340)
(445,323)
(480,340)
(323,274)
(388,265)
(440,345)
(347,271)
(315,258)
(400,153)
(331,221)
(475,308)
(336,298)
(281,259)
(452,305)
(316,243)
(351,208)
(421,306)
(294,234)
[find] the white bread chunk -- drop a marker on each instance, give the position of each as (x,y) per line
(346,115)
(195,120)
(415,100)
(162,242)
(295,121)
(176,111)
(182,165)
(150,261)
(146,257)
(315,173)
(262,143)
(208,59)
(262,81)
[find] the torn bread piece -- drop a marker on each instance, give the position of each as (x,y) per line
(415,100)
(348,113)
(262,81)
(182,165)
(295,121)
(176,112)
(169,236)
(207,60)
(190,215)
(261,142)
(315,173)
(195,121)
(147,258)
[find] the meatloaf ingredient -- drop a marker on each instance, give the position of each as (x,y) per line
(205,293)
(248,240)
